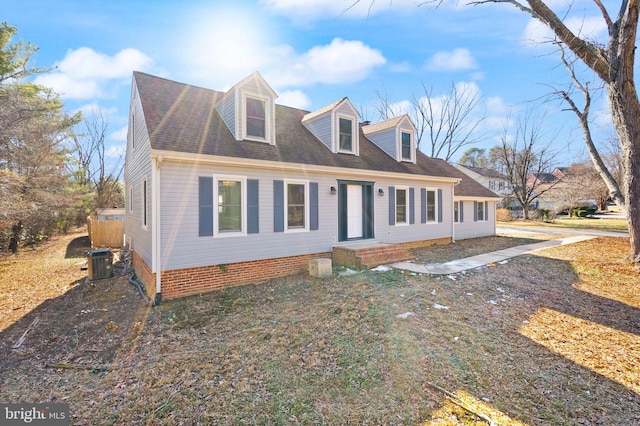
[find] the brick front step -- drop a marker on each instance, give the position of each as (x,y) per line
(369,255)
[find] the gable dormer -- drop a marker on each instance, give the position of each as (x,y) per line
(336,126)
(248,110)
(396,137)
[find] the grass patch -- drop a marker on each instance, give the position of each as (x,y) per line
(548,339)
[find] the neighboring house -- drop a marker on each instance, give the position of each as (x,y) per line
(489,178)
(229,188)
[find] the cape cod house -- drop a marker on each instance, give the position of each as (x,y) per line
(229,188)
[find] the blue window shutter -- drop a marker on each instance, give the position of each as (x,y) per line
(475,211)
(486,210)
(461,211)
(392,205)
(253,211)
(278,206)
(439,205)
(412,214)
(423,205)
(313,206)
(205,204)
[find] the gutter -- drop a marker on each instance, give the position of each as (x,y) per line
(453,221)
(190,158)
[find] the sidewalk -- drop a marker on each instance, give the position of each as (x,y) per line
(460,265)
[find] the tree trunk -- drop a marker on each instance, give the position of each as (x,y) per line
(625,110)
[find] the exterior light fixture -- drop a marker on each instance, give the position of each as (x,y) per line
(333,190)
(380,192)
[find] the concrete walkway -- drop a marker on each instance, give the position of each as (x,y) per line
(456,266)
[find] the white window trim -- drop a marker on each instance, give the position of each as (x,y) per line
(435,205)
(268,111)
(456,218)
(307,215)
(407,206)
(216,206)
(354,134)
(144,197)
(412,150)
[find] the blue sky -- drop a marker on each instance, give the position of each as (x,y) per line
(312,52)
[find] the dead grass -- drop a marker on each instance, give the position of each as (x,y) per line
(599,223)
(550,339)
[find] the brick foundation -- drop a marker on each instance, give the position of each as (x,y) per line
(144,275)
(426,243)
(189,281)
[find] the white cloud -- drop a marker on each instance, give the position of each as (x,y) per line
(294,98)
(340,62)
(120,135)
(498,113)
(456,60)
(590,28)
(115,152)
(87,74)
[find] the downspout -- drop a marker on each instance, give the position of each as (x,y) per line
(453,219)
(155,223)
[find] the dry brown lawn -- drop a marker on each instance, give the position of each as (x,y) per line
(551,339)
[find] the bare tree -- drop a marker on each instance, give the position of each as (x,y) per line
(95,169)
(583,117)
(581,183)
(448,123)
(524,157)
(445,123)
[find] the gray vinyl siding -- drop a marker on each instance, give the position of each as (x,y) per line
(469,228)
(345,109)
(402,233)
(227,110)
(138,167)
(321,129)
(386,141)
(181,246)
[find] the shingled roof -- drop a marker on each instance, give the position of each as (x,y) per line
(183,118)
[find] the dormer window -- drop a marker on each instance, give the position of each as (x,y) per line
(406,146)
(346,134)
(249,111)
(395,136)
(256,118)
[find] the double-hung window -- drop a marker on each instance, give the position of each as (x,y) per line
(144,204)
(405,146)
(481,212)
(345,134)
(456,211)
(401,206)
(256,118)
(297,205)
(432,207)
(230,205)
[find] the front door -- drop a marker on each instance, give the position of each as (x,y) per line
(355,205)
(354,211)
